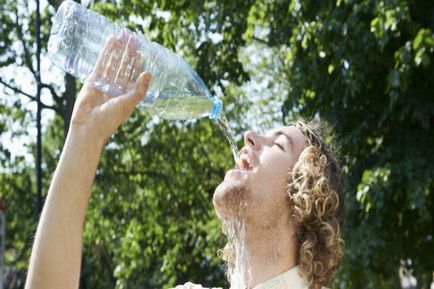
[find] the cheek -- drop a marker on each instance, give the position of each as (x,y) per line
(269,196)
(272,177)
(276,169)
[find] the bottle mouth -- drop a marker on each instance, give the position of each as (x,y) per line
(217,108)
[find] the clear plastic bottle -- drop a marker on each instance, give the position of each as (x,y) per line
(176,92)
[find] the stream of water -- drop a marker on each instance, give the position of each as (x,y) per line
(240,273)
(224,125)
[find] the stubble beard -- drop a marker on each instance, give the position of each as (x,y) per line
(250,231)
(231,201)
(231,204)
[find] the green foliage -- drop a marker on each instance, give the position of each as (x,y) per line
(365,66)
(16,184)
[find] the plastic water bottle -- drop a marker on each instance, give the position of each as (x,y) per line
(77,38)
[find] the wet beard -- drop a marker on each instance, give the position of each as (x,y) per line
(231,204)
(231,201)
(242,221)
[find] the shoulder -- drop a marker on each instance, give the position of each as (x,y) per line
(190,285)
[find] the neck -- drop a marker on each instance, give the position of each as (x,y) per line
(263,253)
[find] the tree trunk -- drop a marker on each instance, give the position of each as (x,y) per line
(68,101)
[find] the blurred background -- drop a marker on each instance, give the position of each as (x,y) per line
(365,66)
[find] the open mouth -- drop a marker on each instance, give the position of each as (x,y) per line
(244,162)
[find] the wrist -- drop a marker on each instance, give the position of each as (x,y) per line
(78,163)
(83,137)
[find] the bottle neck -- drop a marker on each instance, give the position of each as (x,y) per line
(217,108)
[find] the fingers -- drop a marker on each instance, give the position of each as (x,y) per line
(101,63)
(136,70)
(119,64)
(113,62)
(128,64)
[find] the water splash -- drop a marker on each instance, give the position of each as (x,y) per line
(241,277)
(239,269)
(224,125)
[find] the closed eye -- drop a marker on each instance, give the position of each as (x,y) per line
(281,147)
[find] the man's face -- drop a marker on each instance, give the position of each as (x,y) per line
(255,189)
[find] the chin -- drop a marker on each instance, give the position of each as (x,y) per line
(231,198)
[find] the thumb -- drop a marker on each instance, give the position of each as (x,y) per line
(127,102)
(139,91)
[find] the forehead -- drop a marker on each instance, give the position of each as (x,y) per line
(297,137)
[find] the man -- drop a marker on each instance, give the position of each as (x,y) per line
(279,206)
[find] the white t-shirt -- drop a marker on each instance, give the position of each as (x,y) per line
(290,279)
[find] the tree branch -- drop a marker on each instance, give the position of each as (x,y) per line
(260,40)
(17,90)
(52,91)
(223,88)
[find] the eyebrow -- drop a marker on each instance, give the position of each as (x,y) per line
(279,133)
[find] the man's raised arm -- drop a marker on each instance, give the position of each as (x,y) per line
(56,255)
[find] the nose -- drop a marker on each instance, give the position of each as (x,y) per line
(252,139)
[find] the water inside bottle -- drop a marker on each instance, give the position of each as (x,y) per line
(178,105)
(224,125)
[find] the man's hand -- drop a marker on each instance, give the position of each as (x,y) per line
(96,112)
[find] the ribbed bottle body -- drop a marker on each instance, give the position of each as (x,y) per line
(77,38)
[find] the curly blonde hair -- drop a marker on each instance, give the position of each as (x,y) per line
(315,193)
(316,199)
